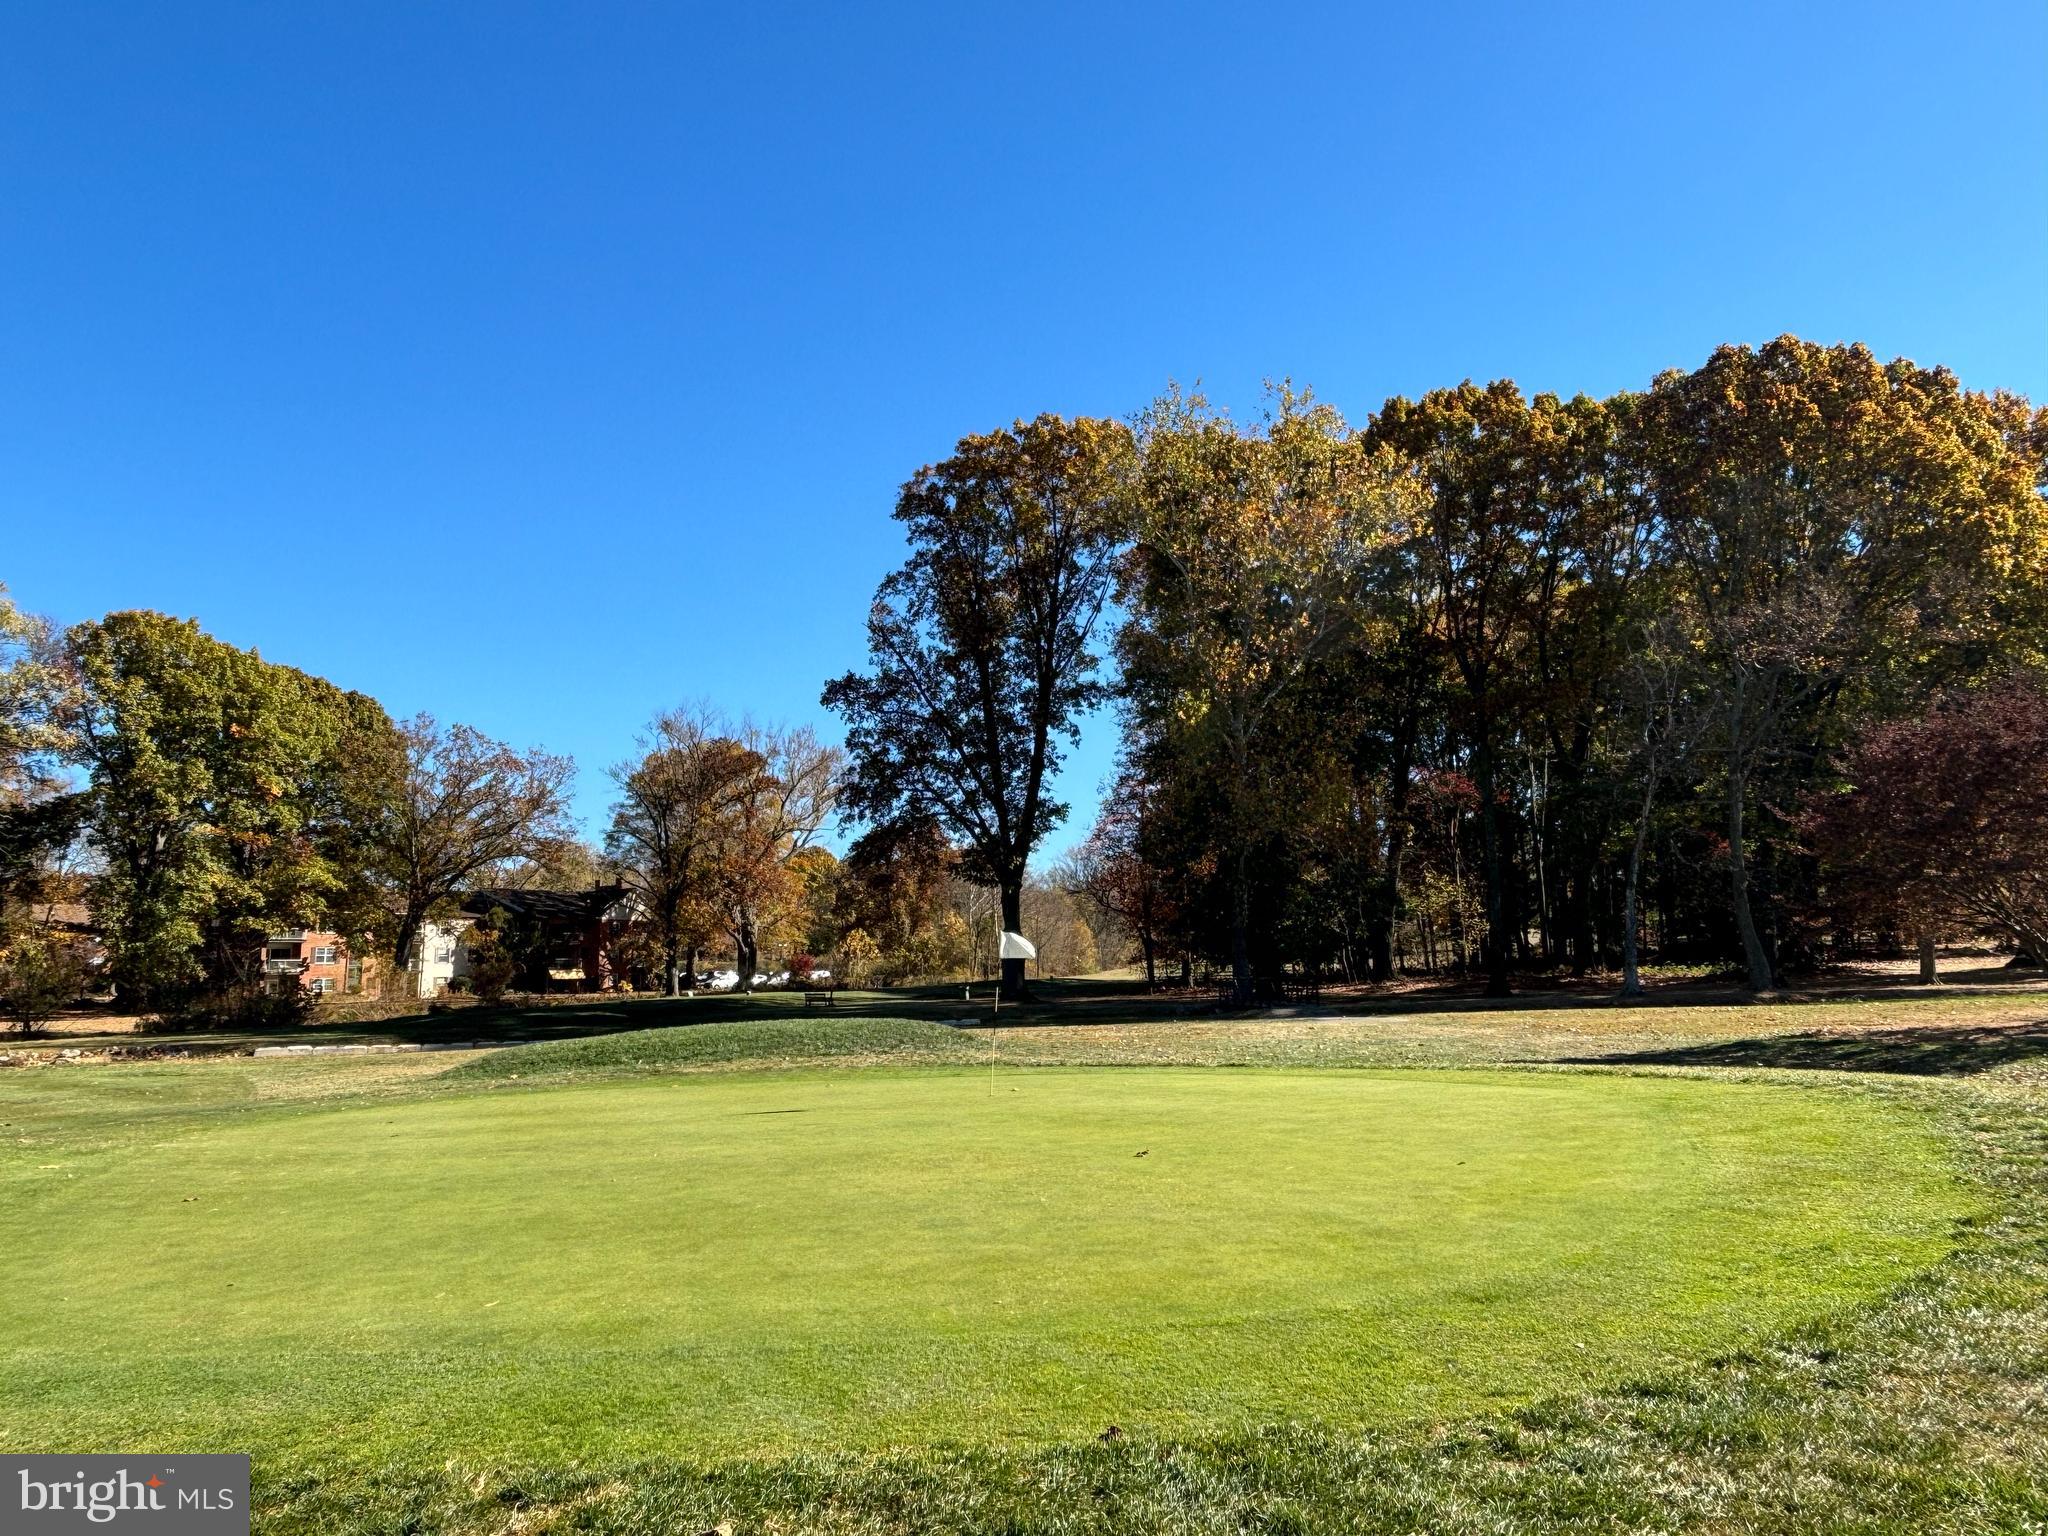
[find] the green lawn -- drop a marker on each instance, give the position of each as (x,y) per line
(1546,1270)
(763,1262)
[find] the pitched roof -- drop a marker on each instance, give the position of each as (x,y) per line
(562,906)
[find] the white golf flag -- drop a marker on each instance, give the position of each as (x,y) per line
(1017,947)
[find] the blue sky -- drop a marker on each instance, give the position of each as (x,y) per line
(546,366)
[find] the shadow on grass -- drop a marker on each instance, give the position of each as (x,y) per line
(1082,1003)
(1948,1051)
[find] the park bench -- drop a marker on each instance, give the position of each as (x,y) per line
(825,999)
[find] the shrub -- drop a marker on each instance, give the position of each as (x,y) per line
(250,1005)
(858,956)
(39,976)
(492,970)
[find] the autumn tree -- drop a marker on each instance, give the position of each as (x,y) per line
(1251,549)
(1596,582)
(893,888)
(981,648)
(1845,535)
(785,788)
(667,824)
(817,875)
(1816,539)
(1112,870)
(443,806)
(1943,820)
(563,864)
(1066,942)
(1664,716)
(1479,457)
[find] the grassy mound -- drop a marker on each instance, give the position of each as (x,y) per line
(768,1042)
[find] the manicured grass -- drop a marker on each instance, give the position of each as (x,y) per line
(1913,1397)
(771,1262)
(754,1043)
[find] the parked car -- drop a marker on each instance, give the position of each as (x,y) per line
(820,974)
(722,981)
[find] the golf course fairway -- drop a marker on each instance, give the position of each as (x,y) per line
(756,1262)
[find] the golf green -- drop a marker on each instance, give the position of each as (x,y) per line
(767,1261)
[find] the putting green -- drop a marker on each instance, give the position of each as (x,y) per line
(763,1261)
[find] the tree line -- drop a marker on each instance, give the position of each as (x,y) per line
(196,798)
(1489,682)
(1727,670)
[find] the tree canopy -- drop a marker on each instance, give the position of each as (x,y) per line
(982,647)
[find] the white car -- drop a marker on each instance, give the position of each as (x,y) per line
(723,981)
(779,979)
(821,975)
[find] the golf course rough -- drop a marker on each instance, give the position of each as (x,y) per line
(755,1262)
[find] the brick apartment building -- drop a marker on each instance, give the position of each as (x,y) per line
(320,961)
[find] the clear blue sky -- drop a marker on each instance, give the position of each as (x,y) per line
(542,367)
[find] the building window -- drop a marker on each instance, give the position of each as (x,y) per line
(323,954)
(283,952)
(321,984)
(444,955)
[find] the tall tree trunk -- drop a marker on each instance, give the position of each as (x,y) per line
(1013,988)
(1151,977)
(408,933)
(1386,909)
(746,963)
(1631,976)
(1492,867)
(1578,850)
(1240,932)
(1930,967)
(1547,937)
(1757,962)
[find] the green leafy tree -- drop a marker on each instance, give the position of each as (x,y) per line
(217,808)
(40,975)
(38,816)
